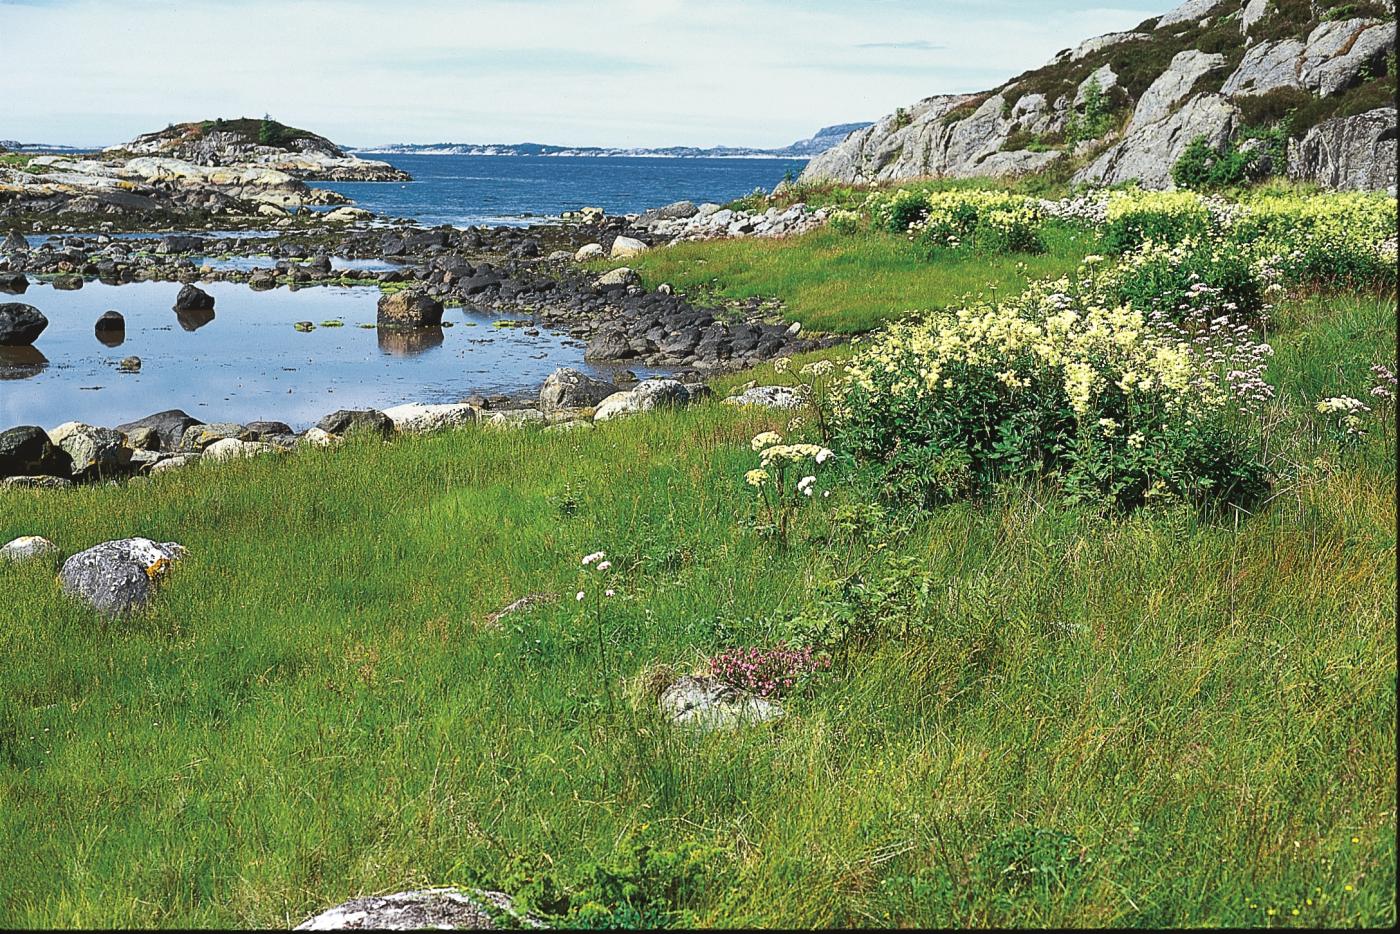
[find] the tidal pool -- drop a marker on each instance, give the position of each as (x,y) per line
(245,361)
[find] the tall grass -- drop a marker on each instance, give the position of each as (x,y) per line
(316,706)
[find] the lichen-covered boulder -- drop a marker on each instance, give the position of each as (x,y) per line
(199,437)
(418,418)
(647,395)
(344,421)
(449,909)
(94,451)
(119,576)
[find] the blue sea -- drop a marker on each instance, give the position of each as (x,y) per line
(519,190)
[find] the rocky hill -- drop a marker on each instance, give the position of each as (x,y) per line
(265,143)
(1275,86)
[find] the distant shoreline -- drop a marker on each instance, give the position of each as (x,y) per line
(394,151)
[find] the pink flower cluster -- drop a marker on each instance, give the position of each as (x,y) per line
(766,672)
(1385,382)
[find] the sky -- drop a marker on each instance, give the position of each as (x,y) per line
(575,72)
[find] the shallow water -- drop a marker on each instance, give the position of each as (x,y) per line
(246,362)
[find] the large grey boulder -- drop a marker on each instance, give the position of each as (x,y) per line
(1339,52)
(1351,153)
(647,395)
(1266,67)
(419,418)
(94,451)
(198,437)
(409,309)
(1104,76)
(1148,153)
(1252,13)
(679,210)
(119,576)
(20,324)
(228,449)
(344,421)
(26,451)
(452,909)
(169,426)
(1173,86)
(624,247)
(27,548)
(620,276)
(707,704)
(568,388)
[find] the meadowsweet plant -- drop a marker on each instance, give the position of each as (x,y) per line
(843,221)
(1133,217)
(897,211)
(594,591)
(1340,239)
(770,672)
(989,221)
(1344,416)
(1052,384)
(785,478)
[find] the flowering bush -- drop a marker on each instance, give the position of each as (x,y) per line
(1056,384)
(1344,416)
(844,222)
(992,221)
(769,672)
(1134,217)
(1171,281)
(896,211)
(1341,238)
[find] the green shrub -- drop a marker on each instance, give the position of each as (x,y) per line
(896,211)
(987,221)
(1161,280)
(844,222)
(1202,168)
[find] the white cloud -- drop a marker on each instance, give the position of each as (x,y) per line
(624,72)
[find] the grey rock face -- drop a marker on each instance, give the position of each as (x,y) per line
(1149,152)
(441,908)
(119,576)
(706,704)
(409,309)
(1090,46)
(1173,86)
(169,426)
(26,451)
(20,324)
(1190,11)
(344,421)
(1104,76)
(1332,59)
(568,388)
(1252,13)
(95,452)
(1353,153)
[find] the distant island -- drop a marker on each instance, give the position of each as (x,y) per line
(822,140)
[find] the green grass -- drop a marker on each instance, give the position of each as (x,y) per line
(315,707)
(852,283)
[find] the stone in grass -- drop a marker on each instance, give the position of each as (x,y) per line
(26,548)
(707,704)
(768,397)
(227,449)
(647,395)
(119,576)
(570,388)
(418,418)
(440,908)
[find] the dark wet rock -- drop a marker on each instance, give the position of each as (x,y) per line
(27,451)
(193,298)
(345,421)
(409,309)
(198,437)
(170,427)
(119,576)
(609,343)
(110,321)
(20,324)
(13,282)
(441,909)
(67,283)
(568,388)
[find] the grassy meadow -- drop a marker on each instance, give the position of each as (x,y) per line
(1044,715)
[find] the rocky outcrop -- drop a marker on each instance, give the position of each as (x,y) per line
(1350,153)
(1148,153)
(409,309)
(1217,55)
